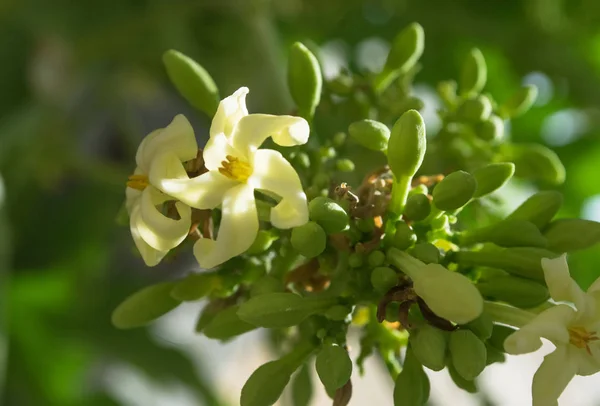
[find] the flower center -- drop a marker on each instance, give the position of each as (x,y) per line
(581,338)
(235,169)
(138,182)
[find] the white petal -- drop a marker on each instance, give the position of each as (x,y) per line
(237,230)
(587,364)
(150,256)
(254,129)
(231,109)
(562,287)
(158,231)
(206,191)
(551,324)
(216,150)
(274,173)
(552,377)
(178,138)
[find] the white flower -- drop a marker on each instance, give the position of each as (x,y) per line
(574,332)
(153,232)
(236,167)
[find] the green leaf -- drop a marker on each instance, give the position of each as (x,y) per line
(193,287)
(429,346)
(278,310)
(145,306)
(266,384)
(302,389)
(226,325)
(468,354)
(334,367)
(410,387)
(566,235)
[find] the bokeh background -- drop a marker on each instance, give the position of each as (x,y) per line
(81,82)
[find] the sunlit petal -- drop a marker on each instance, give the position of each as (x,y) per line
(588,363)
(254,129)
(237,230)
(562,287)
(552,377)
(150,255)
(216,150)
(231,109)
(274,173)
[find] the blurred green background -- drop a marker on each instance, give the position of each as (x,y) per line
(82,82)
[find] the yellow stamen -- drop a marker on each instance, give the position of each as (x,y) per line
(235,169)
(581,338)
(138,182)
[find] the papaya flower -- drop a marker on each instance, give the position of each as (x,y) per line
(236,168)
(573,328)
(153,232)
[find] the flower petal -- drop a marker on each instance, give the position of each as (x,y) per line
(158,231)
(178,137)
(552,377)
(274,173)
(150,256)
(132,195)
(562,287)
(231,109)
(551,324)
(216,150)
(237,230)
(254,129)
(587,363)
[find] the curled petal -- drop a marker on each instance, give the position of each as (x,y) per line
(157,230)
(588,363)
(274,173)
(551,324)
(562,287)
(150,255)
(216,150)
(231,109)
(132,195)
(237,230)
(552,377)
(254,129)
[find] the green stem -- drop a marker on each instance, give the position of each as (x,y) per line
(405,262)
(508,315)
(400,190)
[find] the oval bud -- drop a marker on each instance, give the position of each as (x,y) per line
(339,139)
(492,177)
(406,148)
(566,235)
(341,85)
(507,233)
(370,134)
(417,207)
(520,102)
(328,214)
(304,79)
(468,354)
(476,109)
(404,236)
(192,81)
(482,326)
(491,129)
(383,278)
(447,91)
(376,258)
(333,366)
(356,260)
(426,252)
(454,191)
(473,74)
(309,239)
(344,165)
(429,346)
(536,162)
(519,292)
(263,241)
(539,208)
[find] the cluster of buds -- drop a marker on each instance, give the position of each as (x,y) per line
(369,229)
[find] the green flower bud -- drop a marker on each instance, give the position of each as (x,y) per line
(302,388)
(309,239)
(333,366)
(304,79)
(447,92)
(339,139)
(419,190)
(417,207)
(539,209)
(429,346)
(263,241)
(440,223)
(370,134)
(426,253)
(492,177)
(407,144)
(192,81)
(507,233)
(376,258)
(468,354)
(266,284)
(303,160)
(566,235)
(342,85)
(344,165)
(404,236)
(383,278)
(328,214)
(482,326)
(145,306)
(365,225)
(327,152)
(490,130)
(405,51)
(536,162)
(519,292)
(338,312)
(476,109)
(356,260)
(454,191)
(411,387)
(321,180)
(473,74)
(520,102)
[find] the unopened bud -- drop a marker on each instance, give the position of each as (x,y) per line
(473,74)
(507,233)
(476,109)
(454,191)
(341,85)
(447,92)
(263,241)
(519,292)
(539,209)
(356,260)
(536,162)
(404,236)
(566,235)
(344,165)
(520,102)
(304,79)
(492,177)
(309,239)
(468,354)
(328,214)
(383,279)
(429,346)
(491,129)
(376,258)
(426,252)
(370,134)
(339,139)
(417,207)
(407,144)
(303,160)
